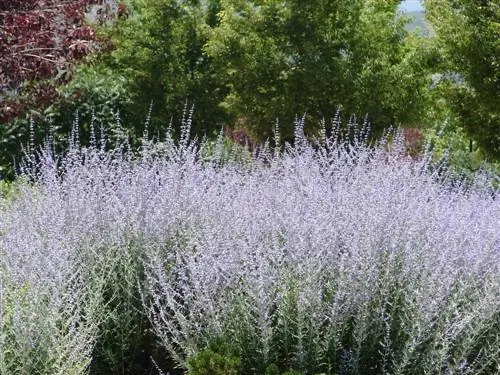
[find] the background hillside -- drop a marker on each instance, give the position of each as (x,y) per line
(418,23)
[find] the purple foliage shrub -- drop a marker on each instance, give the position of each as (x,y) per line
(341,258)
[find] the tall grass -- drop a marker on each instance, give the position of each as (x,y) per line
(339,258)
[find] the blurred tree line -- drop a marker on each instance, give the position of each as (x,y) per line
(244,63)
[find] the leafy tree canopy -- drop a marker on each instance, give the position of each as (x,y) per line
(281,58)
(468,34)
(159,49)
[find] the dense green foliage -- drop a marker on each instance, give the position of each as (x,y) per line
(219,358)
(245,63)
(467,33)
(160,51)
(283,58)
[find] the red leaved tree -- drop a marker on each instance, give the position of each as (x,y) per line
(39,42)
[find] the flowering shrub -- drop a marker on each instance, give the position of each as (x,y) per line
(342,259)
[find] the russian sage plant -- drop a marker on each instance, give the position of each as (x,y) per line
(338,258)
(47,315)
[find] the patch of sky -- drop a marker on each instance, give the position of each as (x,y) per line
(411,6)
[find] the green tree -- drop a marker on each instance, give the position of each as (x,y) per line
(159,49)
(280,58)
(468,33)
